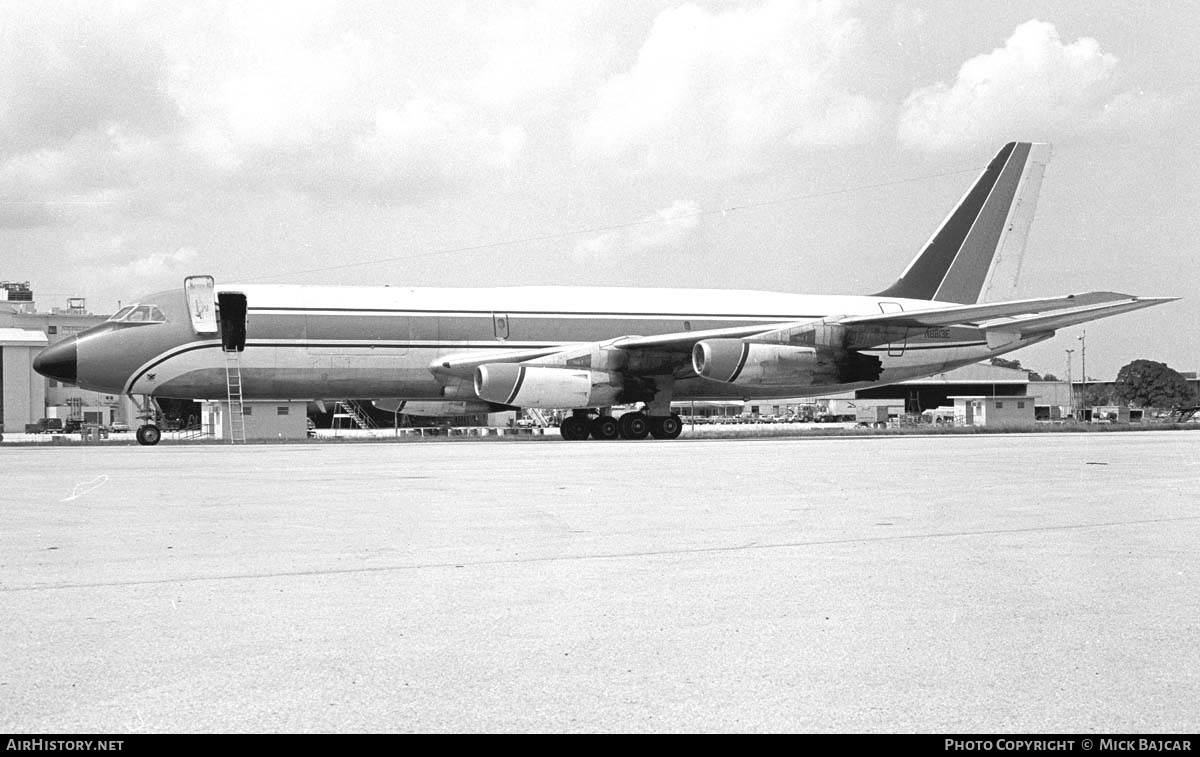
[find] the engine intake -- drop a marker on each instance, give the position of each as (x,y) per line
(541,387)
(735,361)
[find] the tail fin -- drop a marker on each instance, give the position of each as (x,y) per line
(977,250)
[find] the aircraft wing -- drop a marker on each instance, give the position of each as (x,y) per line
(464,365)
(976,313)
(671,353)
(1034,316)
(1025,325)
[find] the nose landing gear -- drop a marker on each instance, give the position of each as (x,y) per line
(148,434)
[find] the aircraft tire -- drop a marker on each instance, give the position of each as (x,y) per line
(666,426)
(605,428)
(574,428)
(148,435)
(634,426)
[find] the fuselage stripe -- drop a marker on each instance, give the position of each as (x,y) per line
(176,351)
(541,313)
(517,386)
(741,363)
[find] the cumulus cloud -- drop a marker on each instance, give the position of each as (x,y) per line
(666,229)
(728,89)
(1034,87)
(157,104)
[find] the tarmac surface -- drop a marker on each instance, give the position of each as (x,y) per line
(992,583)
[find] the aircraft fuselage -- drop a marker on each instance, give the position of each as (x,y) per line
(317,342)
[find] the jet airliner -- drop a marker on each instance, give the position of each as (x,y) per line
(586,349)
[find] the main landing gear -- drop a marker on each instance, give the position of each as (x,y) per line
(580,426)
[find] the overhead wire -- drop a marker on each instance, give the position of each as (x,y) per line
(611,227)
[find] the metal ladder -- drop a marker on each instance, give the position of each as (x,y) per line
(233,390)
(538,417)
(350,408)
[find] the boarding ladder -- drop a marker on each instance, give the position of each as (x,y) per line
(350,409)
(233,390)
(538,417)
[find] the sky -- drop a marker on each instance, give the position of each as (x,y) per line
(782,145)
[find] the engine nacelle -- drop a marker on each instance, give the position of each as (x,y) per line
(735,361)
(537,386)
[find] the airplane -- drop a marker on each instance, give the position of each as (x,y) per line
(586,349)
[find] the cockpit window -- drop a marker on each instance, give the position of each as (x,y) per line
(139,314)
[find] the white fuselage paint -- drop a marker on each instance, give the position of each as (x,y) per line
(316,342)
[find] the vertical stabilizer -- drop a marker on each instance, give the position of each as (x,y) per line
(976,252)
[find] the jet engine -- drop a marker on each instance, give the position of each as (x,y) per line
(537,386)
(735,361)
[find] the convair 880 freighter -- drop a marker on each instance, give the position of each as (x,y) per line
(586,349)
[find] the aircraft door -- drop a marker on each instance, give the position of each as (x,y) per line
(232,312)
(500,325)
(200,299)
(896,348)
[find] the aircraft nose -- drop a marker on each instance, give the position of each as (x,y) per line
(59,361)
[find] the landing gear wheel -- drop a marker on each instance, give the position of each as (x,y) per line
(605,427)
(666,426)
(634,426)
(575,428)
(148,435)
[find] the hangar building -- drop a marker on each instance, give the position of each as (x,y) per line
(27,397)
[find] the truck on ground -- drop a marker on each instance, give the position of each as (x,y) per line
(45,426)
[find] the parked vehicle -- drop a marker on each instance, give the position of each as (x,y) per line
(45,426)
(118,427)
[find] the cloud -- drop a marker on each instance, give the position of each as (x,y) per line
(666,229)
(730,89)
(120,264)
(532,51)
(167,104)
(1035,87)
(75,70)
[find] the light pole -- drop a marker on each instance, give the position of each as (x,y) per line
(1070,384)
(1083,368)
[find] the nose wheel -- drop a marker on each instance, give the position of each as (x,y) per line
(148,435)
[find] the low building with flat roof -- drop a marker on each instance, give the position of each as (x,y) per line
(993,412)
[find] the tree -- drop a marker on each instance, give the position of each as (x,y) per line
(1000,362)
(1100,394)
(1145,383)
